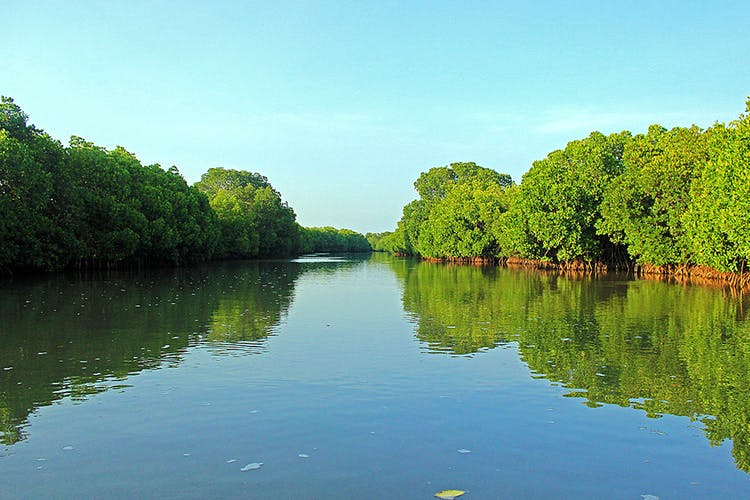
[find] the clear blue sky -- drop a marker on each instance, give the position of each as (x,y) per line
(342,104)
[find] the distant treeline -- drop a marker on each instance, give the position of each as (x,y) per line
(84,206)
(663,201)
(329,239)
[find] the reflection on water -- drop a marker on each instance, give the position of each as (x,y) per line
(660,348)
(67,336)
(73,336)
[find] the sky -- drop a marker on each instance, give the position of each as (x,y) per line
(343,104)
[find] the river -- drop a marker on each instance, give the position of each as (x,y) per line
(371,377)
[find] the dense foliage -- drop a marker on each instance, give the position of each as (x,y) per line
(375,240)
(455,214)
(643,207)
(718,217)
(559,198)
(664,198)
(254,221)
(329,239)
(85,206)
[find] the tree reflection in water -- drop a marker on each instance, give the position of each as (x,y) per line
(649,345)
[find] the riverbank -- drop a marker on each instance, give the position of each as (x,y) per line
(683,273)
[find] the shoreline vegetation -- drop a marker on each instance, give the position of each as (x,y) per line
(82,206)
(670,203)
(683,274)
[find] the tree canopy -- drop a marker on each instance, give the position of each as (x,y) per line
(663,198)
(331,240)
(86,206)
(453,216)
(254,221)
(83,205)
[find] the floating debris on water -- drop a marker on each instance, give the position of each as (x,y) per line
(252,466)
(451,494)
(464,451)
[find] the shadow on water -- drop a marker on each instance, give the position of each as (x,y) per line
(652,346)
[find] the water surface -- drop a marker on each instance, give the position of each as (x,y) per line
(363,378)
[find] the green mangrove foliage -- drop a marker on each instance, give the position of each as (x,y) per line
(123,211)
(559,198)
(329,239)
(718,217)
(254,221)
(455,213)
(86,206)
(664,198)
(83,205)
(375,240)
(642,344)
(643,207)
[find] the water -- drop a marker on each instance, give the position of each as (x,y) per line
(371,378)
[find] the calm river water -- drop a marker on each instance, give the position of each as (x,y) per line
(371,378)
